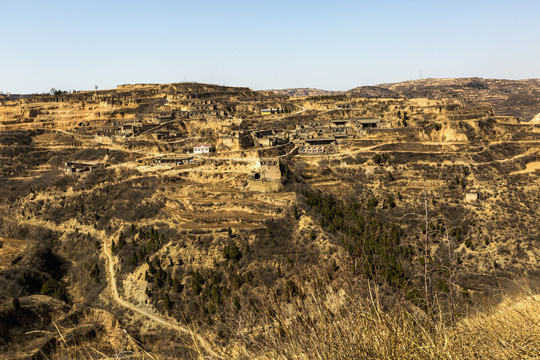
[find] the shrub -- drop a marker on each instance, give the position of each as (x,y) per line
(390,201)
(232,252)
(375,243)
(380,158)
(94,273)
(236,303)
(134,259)
(167,304)
(51,288)
(372,203)
(176,285)
(197,280)
(16,304)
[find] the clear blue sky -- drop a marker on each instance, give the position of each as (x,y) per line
(335,45)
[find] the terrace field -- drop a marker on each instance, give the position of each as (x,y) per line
(420,224)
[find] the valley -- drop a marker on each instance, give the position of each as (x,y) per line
(200,221)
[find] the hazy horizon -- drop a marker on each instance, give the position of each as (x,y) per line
(279,88)
(330,46)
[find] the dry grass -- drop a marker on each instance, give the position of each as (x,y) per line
(10,249)
(346,326)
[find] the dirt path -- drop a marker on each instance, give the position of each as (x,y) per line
(529,168)
(111,278)
(202,346)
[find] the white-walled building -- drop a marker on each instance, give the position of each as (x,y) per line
(202,149)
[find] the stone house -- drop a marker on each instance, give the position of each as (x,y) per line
(80,166)
(270,169)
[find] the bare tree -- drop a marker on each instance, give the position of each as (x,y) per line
(431,232)
(426,253)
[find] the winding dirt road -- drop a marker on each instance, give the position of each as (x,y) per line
(202,346)
(198,340)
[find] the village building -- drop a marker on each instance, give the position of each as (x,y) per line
(270,169)
(271,111)
(312,131)
(368,123)
(202,149)
(318,146)
(164,135)
(341,134)
(104,131)
(130,129)
(280,139)
(163,116)
(267,138)
(173,160)
(262,137)
(340,123)
(80,166)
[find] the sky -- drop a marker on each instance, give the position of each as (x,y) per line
(333,45)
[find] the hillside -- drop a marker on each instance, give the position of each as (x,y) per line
(203,221)
(518,98)
(298,92)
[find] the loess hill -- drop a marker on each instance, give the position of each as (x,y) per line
(192,220)
(518,98)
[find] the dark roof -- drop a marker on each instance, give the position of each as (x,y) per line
(367,121)
(321,140)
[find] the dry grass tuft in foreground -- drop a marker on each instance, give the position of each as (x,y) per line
(356,329)
(347,326)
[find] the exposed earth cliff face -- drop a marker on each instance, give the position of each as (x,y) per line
(117,238)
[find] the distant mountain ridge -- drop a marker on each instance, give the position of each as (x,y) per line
(519,98)
(299,92)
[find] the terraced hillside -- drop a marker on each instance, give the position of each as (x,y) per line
(183,221)
(517,98)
